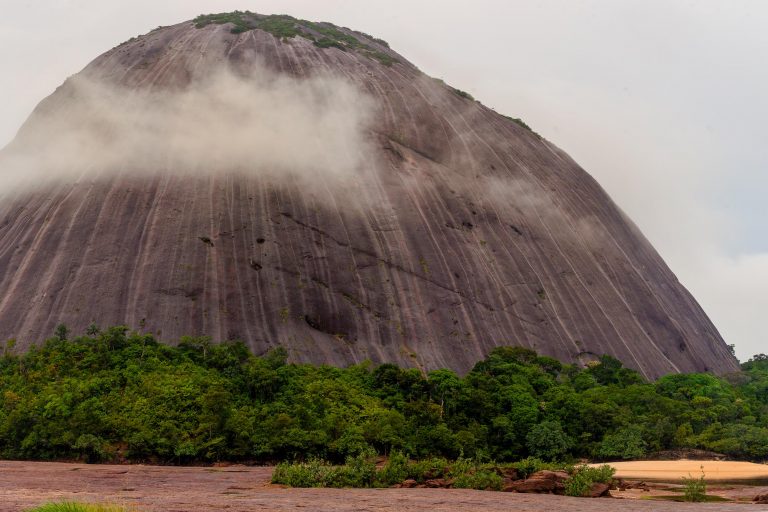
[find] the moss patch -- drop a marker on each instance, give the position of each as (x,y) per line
(67,506)
(282,26)
(522,124)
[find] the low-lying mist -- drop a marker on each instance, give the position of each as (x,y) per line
(258,123)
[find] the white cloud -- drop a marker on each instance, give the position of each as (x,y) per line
(259,123)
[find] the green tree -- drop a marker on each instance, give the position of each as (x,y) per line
(626,443)
(548,441)
(61,332)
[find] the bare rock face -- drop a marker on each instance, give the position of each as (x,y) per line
(430,230)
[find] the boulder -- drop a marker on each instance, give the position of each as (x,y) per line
(598,490)
(438,483)
(508,485)
(539,482)
(408,484)
(557,476)
(633,485)
(761,499)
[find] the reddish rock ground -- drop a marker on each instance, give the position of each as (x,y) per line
(237,488)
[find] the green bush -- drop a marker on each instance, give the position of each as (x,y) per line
(480,479)
(394,471)
(68,506)
(583,477)
(627,443)
(548,441)
(329,43)
(428,469)
(695,489)
(382,57)
(313,473)
(463,94)
(522,124)
(578,485)
(241,20)
(358,471)
(470,474)
(530,465)
(323,35)
(280,26)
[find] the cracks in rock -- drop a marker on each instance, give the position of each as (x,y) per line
(396,152)
(388,263)
(231,234)
(345,295)
(465,226)
(417,151)
(360,305)
(181,292)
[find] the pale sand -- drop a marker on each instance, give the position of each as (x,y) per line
(675,470)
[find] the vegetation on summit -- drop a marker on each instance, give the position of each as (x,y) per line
(323,35)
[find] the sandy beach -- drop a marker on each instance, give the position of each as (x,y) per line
(675,470)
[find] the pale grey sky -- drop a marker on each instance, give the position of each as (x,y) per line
(665,102)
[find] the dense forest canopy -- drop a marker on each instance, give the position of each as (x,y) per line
(114,395)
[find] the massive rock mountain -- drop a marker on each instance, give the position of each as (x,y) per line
(463,230)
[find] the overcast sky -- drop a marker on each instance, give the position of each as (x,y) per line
(665,102)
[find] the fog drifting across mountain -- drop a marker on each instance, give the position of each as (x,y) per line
(259,122)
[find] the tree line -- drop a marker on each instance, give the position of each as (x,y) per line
(116,395)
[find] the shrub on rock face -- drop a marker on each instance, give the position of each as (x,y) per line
(583,479)
(529,466)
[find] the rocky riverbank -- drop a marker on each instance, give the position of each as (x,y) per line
(239,488)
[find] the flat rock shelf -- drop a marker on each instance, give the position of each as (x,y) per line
(244,489)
